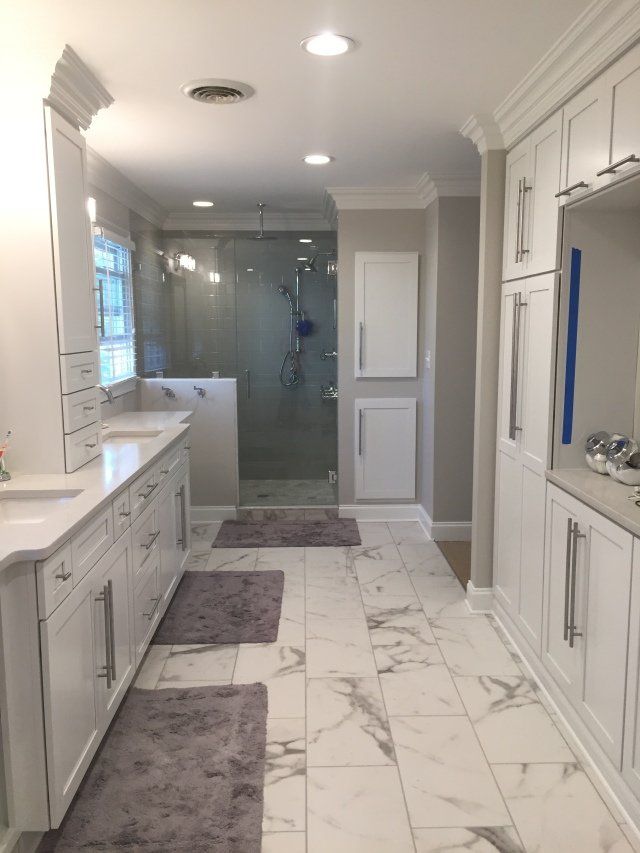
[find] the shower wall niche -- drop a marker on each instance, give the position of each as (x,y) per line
(229,317)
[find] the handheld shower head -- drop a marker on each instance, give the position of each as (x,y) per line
(282,289)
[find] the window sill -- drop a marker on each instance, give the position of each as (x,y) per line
(123,386)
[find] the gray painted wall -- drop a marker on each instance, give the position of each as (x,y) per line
(371,231)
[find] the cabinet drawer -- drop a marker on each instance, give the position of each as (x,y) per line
(146,601)
(170,463)
(54,580)
(142,491)
(91,543)
(82,446)
(145,532)
(79,371)
(80,409)
(121,513)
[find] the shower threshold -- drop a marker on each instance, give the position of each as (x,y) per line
(288,493)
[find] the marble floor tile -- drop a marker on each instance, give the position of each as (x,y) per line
(183,685)
(347,723)
(407,532)
(356,810)
(284,778)
(391,611)
(284,842)
(334,598)
(424,557)
(329,562)
(202,536)
(283,559)
(198,562)
(387,552)
(374,533)
(382,577)
(204,664)
(291,628)
(399,648)
(471,647)
(152,666)
(482,839)
(556,808)
(338,647)
(232,559)
(446,778)
(442,597)
(428,690)
(281,668)
(511,724)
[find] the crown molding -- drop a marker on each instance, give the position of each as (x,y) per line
(212,221)
(431,187)
(428,188)
(105,177)
(75,90)
(484,132)
(604,31)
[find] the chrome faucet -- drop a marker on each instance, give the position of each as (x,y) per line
(325,355)
(169,392)
(107,391)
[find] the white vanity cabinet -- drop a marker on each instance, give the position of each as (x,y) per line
(586,625)
(385,448)
(169,515)
(88,663)
(524,417)
(531,233)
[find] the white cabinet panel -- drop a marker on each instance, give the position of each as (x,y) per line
(385,448)
(146,606)
(585,137)
(54,579)
(80,409)
(90,543)
(631,755)
(518,161)
(121,513)
(386,314)
(79,371)
(541,241)
(508,530)
(71,229)
(82,446)
(170,550)
(623,84)
(183,517)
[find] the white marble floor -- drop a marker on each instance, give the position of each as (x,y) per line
(398,721)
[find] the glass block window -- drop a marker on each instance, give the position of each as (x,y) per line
(114,303)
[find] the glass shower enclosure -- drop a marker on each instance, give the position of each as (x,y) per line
(264,312)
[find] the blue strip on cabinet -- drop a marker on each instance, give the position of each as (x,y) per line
(572,345)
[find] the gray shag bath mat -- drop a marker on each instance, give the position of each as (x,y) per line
(180,770)
(287,534)
(223,607)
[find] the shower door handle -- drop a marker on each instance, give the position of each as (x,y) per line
(247,374)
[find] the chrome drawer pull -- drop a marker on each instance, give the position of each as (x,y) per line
(156,601)
(87,371)
(164,471)
(108,668)
(95,444)
(611,168)
(569,190)
(125,514)
(63,577)
(88,408)
(145,495)
(567,578)
(153,536)
(572,604)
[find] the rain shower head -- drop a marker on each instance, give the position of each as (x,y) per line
(261,235)
(309,264)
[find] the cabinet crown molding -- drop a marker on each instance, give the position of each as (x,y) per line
(484,132)
(428,188)
(604,31)
(75,90)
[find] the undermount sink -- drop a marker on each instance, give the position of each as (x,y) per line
(32,507)
(131,437)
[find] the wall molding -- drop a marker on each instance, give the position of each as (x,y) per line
(380,512)
(445,531)
(105,177)
(75,90)
(210,221)
(210,514)
(479,599)
(428,189)
(484,132)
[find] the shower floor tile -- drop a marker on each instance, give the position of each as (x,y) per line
(287,493)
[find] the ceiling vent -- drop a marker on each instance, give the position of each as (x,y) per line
(217,91)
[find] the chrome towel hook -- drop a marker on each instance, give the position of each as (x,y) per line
(201,391)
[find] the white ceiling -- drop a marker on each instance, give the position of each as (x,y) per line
(387,112)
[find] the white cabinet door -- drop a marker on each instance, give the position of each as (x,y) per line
(540,241)
(169,553)
(183,518)
(69,690)
(585,135)
(631,755)
(515,191)
(385,448)
(71,232)
(602,617)
(113,632)
(386,314)
(623,84)
(146,606)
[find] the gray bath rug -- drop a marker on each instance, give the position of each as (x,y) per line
(287,534)
(223,607)
(180,771)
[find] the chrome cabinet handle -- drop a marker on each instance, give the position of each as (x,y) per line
(153,537)
(63,577)
(360,347)
(125,514)
(515,362)
(100,291)
(572,603)
(247,374)
(525,190)
(360,420)
(164,471)
(87,371)
(569,190)
(145,495)
(88,444)
(181,493)
(112,629)
(107,673)
(156,601)
(518,206)
(611,168)
(567,578)
(88,408)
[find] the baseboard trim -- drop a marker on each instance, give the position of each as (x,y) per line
(208,514)
(380,512)
(479,598)
(14,841)
(451,531)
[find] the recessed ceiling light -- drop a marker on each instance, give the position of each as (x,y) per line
(305,240)
(327,44)
(317,159)
(203,204)
(301,259)
(249,269)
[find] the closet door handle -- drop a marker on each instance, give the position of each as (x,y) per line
(360,347)
(567,577)
(360,419)
(107,668)
(518,206)
(112,629)
(569,190)
(247,374)
(518,304)
(574,571)
(525,190)
(611,168)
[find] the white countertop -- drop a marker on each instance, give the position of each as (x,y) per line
(99,481)
(601,493)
